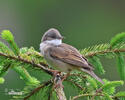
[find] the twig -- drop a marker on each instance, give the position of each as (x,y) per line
(85,95)
(93,95)
(80,75)
(50,93)
(41,65)
(105,51)
(117,97)
(28,62)
(5,69)
(79,86)
(98,91)
(37,89)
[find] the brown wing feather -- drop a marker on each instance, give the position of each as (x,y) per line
(70,55)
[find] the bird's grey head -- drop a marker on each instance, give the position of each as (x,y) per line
(51,34)
(51,38)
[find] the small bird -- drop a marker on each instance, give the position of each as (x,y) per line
(62,56)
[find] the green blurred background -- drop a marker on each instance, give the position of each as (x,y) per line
(83,22)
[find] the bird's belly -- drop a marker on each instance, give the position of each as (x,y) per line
(59,65)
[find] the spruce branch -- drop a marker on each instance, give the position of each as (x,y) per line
(4,70)
(8,36)
(97,92)
(119,94)
(85,95)
(100,94)
(18,59)
(116,40)
(50,94)
(28,62)
(121,65)
(37,89)
(29,80)
(104,52)
(79,86)
(78,75)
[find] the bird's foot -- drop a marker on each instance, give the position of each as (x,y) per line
(65,76)
(58,78)
(55,72)
(58,81)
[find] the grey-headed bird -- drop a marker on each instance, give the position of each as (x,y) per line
(62,56)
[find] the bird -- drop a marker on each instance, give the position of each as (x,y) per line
(62,56)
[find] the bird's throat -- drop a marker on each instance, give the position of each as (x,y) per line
(54,42)
(49,43)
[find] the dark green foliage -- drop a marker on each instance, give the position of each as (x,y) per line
(5,64)
(25,75)
(5,49)
(95,49)
(122,98)
(112,84)
(107,97)
(119,38)
(43,94)
(109,87)
(121,65)
(95,61)
(120,94)
(24,61)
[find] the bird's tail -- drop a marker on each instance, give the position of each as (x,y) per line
(92,74)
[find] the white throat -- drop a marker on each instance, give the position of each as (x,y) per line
(47,43)
(54,42)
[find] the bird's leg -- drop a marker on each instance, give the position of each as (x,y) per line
(55,72)
(65,76)
(56,78)
(58,81)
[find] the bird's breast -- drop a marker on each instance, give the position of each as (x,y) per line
(43,48)
(57,64)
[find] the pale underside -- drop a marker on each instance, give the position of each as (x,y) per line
(65,57)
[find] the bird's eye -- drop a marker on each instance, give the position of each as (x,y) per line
(53,36)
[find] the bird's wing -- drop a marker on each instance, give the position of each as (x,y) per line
(70,55)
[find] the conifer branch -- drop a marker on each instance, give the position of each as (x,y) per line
(79,86)
(104,52)
(85,95)
(37,89)
(79,75)
(4,70)
(28,62)
(21,58)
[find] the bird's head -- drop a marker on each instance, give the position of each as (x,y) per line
(52,36)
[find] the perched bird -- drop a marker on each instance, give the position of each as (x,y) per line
(62,56)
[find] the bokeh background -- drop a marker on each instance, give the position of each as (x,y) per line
(83,22)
